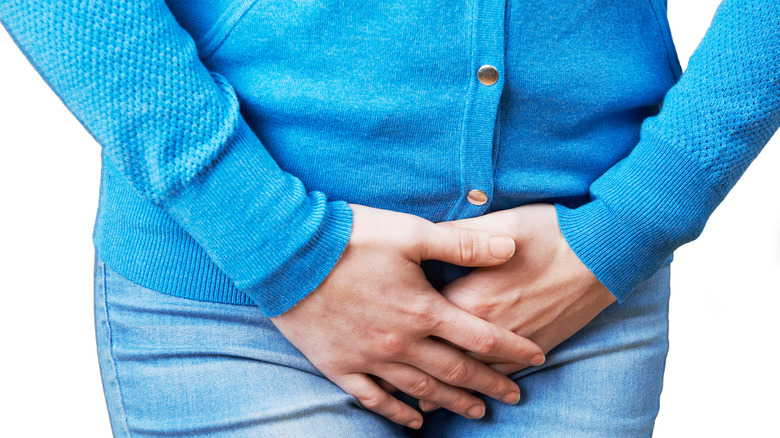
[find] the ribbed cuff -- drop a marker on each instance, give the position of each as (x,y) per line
(641,210)
(284,287)
(273,239)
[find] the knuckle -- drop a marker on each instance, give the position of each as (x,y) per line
(422,315)
(486,341)
(421,388)
(493,386)
(395,412)
(467,245)
(458,403)
(392,345)
(458,374)
(371,402)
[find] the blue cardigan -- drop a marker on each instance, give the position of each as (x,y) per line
(235,132)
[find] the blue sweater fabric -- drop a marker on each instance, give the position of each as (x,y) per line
(236,132)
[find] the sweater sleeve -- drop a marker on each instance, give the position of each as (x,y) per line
(132,77)
(713,123)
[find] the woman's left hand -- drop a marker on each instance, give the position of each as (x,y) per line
(543,292)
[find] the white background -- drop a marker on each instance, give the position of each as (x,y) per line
(721,380)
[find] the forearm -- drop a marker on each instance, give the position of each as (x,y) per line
(132,77)
(713,123)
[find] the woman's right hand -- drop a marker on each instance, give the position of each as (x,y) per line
(375,315)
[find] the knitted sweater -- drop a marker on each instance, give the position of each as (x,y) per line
(234,133)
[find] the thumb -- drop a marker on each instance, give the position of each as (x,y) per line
(464,246)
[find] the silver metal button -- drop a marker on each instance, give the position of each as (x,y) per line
(487,74)
(477,197)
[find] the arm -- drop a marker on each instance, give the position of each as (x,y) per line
(122,69)
(132,77)
(713,123)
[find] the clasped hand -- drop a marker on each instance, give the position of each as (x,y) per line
(375,323)
(544,292)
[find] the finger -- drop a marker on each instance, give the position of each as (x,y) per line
(384,385)
(492,222)
(507,368)
(455,368)
(479,336)
(464,247)
(522,223)
(427,406)
(420,385)
(372,397)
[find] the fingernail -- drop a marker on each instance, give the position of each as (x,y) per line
(414,424)
(512,398)
(502,247)
(427,406)
(476,411)
(538,360)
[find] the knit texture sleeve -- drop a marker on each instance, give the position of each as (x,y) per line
(132,77)
(712,124)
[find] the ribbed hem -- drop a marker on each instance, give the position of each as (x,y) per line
(140,241)
(642,209)
(273,239)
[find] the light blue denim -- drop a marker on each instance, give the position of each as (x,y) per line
(173,366)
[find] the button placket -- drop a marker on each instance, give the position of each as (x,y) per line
(484,93)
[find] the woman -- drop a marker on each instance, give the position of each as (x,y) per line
(459,203)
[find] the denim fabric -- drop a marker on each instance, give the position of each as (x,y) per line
(178,367)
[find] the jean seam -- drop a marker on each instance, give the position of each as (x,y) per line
(111,351)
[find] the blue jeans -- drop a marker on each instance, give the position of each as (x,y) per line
(178,367)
